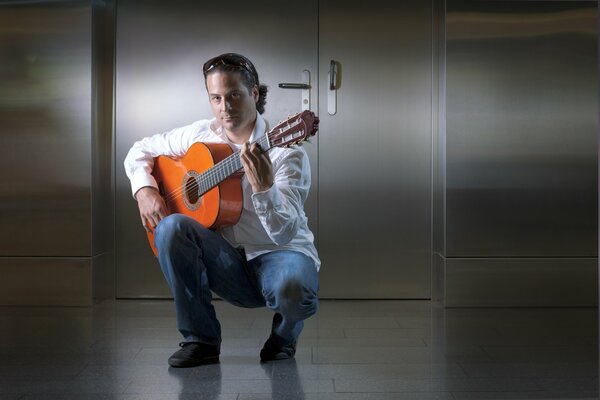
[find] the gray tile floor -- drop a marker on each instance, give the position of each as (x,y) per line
(351,350)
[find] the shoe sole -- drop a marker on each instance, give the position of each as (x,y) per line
(277,357)
(190,364)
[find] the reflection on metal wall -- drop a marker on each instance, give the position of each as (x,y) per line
(103,57)
(56,134)
(521,129)
(45,109)
(161,47)
(374,204)
(521,178)
(375,152)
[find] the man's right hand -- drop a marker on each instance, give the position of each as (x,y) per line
(152,207)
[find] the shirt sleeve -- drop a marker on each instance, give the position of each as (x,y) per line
(140,158)
(281,207)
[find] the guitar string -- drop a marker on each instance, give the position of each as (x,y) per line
(207,175)
(205,178)
(212,175)
(214,172)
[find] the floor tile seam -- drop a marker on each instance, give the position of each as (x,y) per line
(539,381)
(447,379)
(538,346)
(487,354)
(411,391)
(78,375)
(126,388)
(536,392)
(413,345)
(379,347)
(462,368)
(543,374)
(396,320)
(363,363)
(266,379)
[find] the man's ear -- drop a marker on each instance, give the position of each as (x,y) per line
(255,93)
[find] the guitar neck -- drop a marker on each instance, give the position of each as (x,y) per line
(291,131)
(224,169)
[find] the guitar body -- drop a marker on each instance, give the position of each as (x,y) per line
(220,206)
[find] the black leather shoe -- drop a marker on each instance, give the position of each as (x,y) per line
(193,354)
(276,348)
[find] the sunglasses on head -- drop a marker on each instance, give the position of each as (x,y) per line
(232,60)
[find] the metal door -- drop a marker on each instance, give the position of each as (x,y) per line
(375,150)
(371,161)
(161,47)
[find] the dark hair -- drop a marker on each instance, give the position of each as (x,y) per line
(233,62)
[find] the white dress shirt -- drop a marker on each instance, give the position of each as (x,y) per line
(270,220)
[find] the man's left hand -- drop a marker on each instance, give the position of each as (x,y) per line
(257,166)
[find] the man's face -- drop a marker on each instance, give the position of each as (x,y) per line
(231,103)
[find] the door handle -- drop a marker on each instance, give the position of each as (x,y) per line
(305,87)
(332,92)
(332,75)
(294,85)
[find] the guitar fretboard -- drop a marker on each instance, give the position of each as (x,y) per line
(224,169)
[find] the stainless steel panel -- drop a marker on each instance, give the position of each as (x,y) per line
(45,281)
(102,130)
(161,47)
(521,128)
(375,152)
(438,278)
(103,276)
(523,282)
(45,109)
(103,193)
(438,148)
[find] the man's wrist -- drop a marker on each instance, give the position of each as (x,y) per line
(142,190)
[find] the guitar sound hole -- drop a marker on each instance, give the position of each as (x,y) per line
(191,196)
(191,190)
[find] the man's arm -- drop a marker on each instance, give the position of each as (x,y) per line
(139,163)
(279,195)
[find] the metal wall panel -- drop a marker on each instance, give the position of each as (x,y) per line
(103,23)
(161,47)
(45,109)
(521,129)
(521,154)
(56,281)
(375,152)
(510,282)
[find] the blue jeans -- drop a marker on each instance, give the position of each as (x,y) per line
(196,260)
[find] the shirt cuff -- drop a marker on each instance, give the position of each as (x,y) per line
(139,181)
(267,200)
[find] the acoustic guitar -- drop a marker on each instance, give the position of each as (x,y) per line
(205,183)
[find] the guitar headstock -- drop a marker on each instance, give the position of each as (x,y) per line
(293,130)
